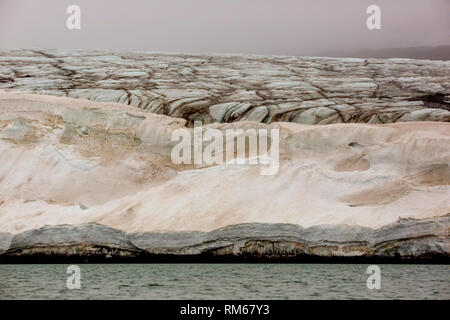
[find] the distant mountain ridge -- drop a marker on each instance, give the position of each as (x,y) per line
(426,53)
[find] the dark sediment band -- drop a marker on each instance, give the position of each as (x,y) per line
(405,241)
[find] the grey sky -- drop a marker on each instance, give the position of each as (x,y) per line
(293,27)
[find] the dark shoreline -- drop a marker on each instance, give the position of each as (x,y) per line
(205,258)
